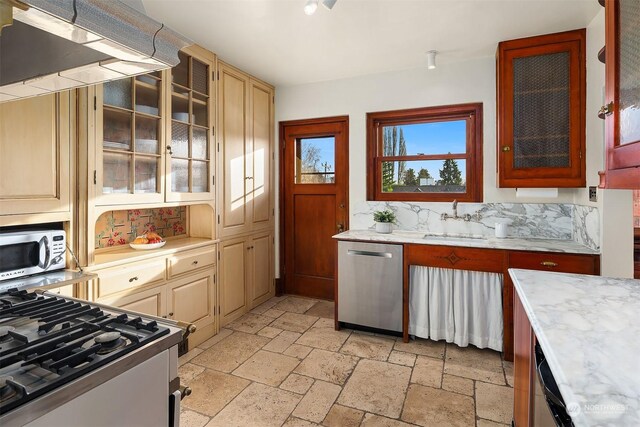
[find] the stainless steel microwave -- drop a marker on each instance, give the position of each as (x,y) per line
(24,253)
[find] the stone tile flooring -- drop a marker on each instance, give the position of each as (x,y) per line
(283,364)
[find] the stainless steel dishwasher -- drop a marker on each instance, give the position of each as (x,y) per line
(370,285)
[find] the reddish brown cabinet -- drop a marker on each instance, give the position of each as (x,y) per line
(523,366)
(622,94)
(541,111)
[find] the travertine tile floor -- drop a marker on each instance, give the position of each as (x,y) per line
(283,364)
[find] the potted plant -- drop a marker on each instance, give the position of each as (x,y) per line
(384,220)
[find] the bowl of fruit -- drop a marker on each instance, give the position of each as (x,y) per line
(148,241)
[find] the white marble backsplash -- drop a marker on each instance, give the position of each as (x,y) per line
(524,220)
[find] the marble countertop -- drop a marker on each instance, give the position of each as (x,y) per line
(398,236)
(589,331)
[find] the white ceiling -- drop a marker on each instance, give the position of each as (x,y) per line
(276,41)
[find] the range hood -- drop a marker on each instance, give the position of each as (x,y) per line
(55,45)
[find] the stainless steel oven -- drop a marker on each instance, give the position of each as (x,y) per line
(24,253)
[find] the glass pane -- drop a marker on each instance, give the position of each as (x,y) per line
(199,144)
(116,173)
(179,139)
(180,175)
(315,160)
(147,135)
(147,99)
(116,133)
(425,138)
(146,175)
(200,97)
(200,115)
(180,73)
(424,176)
(200,175)
(117,93)
(200,76)
(629,74)
(180,108)
(180,90)
(541,111)
(147,78)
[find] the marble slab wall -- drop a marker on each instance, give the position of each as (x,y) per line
(524,220)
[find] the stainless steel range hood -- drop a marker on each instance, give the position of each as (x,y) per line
(55,45)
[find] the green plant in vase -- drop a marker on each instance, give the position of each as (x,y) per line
(384,220)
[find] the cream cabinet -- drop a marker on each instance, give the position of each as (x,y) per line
(154,135)
(36,152)
(246,274)
(245,146)
(180,286)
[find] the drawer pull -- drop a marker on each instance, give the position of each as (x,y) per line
(195,263)
(133,278)
(170,314)
(549,264)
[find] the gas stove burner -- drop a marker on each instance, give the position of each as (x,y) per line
(110,341)
(4,333)
(7,391)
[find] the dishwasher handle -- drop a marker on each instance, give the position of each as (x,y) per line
(354,252)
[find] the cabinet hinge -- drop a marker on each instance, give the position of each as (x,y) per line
(273,99)
(273,212)
(214,279)
(213,131)
(213,180)
(95,103)
(218,256)
(218,75)
(284,144)
(95,177)
(218,223)
(213,75)
(580,153)
(218,147)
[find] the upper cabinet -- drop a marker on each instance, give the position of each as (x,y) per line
(541,111)
(245,121)
(154,134)
(36,148)
(622,93)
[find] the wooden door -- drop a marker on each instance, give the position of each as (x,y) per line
(35,155)
(233,162)
(233,279)
(314,182)
(260,152)
(261,286)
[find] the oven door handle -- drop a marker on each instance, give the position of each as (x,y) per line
(174,409)
(44,242)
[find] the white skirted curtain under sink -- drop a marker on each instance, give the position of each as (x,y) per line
(459,306)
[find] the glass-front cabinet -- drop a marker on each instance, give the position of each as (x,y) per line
(190,129)
(154,134)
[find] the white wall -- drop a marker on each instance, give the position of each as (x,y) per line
(454,83)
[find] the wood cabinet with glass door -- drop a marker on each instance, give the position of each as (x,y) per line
(541,92)
(129,153)
(190,127)
(622,94)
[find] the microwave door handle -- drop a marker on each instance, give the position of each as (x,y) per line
(44,242)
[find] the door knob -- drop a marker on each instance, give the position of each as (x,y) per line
(605,110)
(506,148)
(169,150)
(340,228)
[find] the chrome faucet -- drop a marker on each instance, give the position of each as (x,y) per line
(455,208)
(466,217)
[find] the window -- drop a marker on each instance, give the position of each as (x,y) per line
(425,154)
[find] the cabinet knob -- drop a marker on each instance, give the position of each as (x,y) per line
(195,263)
(506,148)
(133,278)
(549,264)
(605,110)
(170,314)
(169,149)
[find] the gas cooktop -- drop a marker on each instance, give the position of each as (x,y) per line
(47,341)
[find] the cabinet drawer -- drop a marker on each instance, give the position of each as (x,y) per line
(129,276)
(455,257)
(547,261)
(188,261)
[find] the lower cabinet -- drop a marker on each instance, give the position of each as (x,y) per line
(192,300)
(150,301)
(246,274)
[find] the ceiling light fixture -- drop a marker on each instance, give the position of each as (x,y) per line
(328,4)
(310,7)
(431,59)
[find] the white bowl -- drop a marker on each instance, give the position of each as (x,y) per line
(147,246)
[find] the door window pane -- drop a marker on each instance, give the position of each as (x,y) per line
(147,99)
(146,174)
(425,138)
(629,37)
(116,132)
(200,76)
(147,135)
(315,160)
(200,115)
(427,176)
(199,144)
(179,175)
(116,173)
(179,139)
(180,108)
(118,93)
(180,73)
(200,176)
